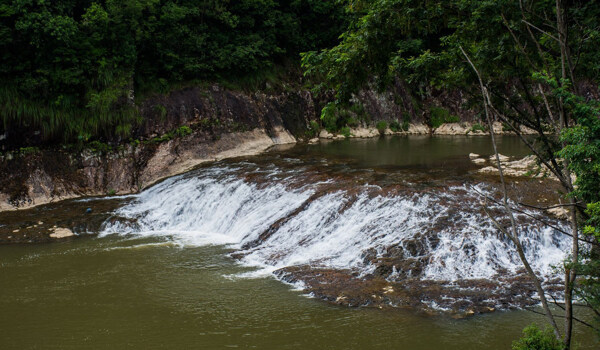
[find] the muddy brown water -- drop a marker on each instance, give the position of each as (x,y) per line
(151,292)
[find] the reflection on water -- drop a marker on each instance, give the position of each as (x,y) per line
(417,151)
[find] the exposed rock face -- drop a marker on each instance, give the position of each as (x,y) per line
(127,171)
(220,111)
(223,124)
(462,128)
(527,167)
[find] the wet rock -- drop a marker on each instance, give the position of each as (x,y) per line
(460,299)
(369,255)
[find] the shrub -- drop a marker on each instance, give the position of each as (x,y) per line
(536,339)
(439,116)
(28,150)
(99,147)
(352,122)
(405,125)
(183,131)
(329,117)
(395,126)
(405,121)
(452,119)
(381,126)
(358,109)
(313,129)
(161,111)
(477,127)
(345,131)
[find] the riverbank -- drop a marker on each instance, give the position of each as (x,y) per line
(193,125)
(50,176)
(47,176)
(461,128)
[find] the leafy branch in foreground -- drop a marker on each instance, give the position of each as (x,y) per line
(534,60)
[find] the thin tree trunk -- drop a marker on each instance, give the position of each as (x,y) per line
(570,268)
(514,235)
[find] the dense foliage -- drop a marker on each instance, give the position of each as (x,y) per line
(72,68)
(537,339)
(531,62)
(582,150)
(418,42)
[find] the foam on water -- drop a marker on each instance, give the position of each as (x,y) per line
(333,229)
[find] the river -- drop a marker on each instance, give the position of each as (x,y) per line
(233,254)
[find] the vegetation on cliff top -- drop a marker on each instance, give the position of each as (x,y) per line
(71,70)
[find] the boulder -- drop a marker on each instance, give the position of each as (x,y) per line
(61,232)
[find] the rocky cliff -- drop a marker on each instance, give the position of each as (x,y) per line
(180,131)
(189,126)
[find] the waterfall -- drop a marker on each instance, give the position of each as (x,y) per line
(290,218)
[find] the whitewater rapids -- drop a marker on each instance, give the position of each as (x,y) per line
(282,217)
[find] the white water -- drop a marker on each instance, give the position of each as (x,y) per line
(216,206)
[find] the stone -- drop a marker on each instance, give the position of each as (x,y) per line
(452,129)
(503,158)
(61,232)
(324,134)
(559,212)
(474,155)
(364,132)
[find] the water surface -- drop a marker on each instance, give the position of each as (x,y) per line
(149,291)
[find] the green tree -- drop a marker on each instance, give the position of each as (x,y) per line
(72,69)
(528,58)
